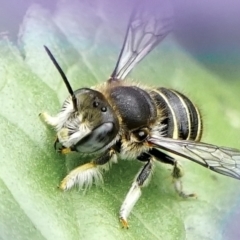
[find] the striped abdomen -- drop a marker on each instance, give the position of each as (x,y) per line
(181,118)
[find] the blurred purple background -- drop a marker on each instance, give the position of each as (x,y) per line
(13,11)
(209,30)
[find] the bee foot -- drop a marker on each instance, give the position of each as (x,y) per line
(48,119)
(179,189)
(184,195)
(64,150)
(124,223)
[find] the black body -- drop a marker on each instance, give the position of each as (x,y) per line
(138,108)
(181,118)
(135,106)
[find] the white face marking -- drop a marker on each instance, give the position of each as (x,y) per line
(65,113)
(69,140)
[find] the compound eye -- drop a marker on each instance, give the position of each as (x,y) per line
(141,134)
(98,138)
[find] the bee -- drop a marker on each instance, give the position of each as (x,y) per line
(121,119)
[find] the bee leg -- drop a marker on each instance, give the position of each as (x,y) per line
(135,191)
(88,173)
(177,172)
(65,150)
(61,117)
(61,149)
(48,119)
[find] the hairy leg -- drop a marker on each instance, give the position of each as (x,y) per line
(86,174)
(135,192)
(177,172)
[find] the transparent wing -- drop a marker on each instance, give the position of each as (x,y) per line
(149,24)
(222,160)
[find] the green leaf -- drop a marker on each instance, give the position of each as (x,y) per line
(31,205)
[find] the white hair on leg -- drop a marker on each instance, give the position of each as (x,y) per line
(83,176)
(88,174)
(141,180)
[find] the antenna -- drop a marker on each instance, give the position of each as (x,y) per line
(63,77)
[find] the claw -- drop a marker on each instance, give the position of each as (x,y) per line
(178,187)
(124,223)
(61,149)
(56,141)
(184,195)
(65,150)
(63,185)
(44,117)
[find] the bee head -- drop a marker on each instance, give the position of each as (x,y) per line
(94,122)
(87,121)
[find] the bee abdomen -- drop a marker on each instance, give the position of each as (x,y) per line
(181,118)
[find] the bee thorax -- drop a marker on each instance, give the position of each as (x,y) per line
(135,106)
